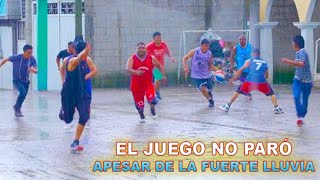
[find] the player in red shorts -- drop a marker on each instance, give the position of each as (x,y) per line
(140,66)
(256,80)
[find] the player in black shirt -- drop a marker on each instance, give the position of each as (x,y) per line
(65,53)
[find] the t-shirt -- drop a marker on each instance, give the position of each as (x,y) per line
(158,51)
(257,69)
(303,73)
(21,67)
(63,54)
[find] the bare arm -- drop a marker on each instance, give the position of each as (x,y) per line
(167,51)
(156,63)
(233,54)
(75,61)
(130,69)
(63,70)
(239,72)
(292,62)
(93,69)
(5,60)
(58,63)
(186,58)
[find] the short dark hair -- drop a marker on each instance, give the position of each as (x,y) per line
(204,41)
(256,50)
(79,44)
(141,43)
(299,41)
(70,43)
(27,47)
(156,34)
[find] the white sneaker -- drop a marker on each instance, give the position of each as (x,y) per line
(68,126)
(142,120)
(88,124)
(278,111)
(225,108)
(155,116)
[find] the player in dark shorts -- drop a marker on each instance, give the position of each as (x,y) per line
(256,80)
(74,94)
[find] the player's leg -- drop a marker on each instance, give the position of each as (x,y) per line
(268,91)
(89,121)
(83,108)
(23,90)
(243,79)
(244,88)
(157,81)
(138,97)
(296,90)
(150,94)
(210,90)
(306,91)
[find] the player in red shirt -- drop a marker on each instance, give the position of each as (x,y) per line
(158,49)
(140,66)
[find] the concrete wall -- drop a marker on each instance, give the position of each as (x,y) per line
(115,26)
(13,10)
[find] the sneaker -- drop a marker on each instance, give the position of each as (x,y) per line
(225,108)
(211,103)
(249,97)
(278,110)
(88,124)
(75,146)
(17,113)
(142,117)
(300,122)
(68,126)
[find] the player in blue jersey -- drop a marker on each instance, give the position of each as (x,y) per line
(256,80)
(240,53)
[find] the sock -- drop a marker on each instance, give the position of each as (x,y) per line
(141,115)
(76,141)
(276,106)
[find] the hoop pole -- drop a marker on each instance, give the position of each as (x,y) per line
(180,52)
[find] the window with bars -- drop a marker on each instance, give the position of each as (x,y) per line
(23,9)
(52,8)
(21,30)
(67,8)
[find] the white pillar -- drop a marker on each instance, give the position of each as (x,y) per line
(266,44)
(307,33)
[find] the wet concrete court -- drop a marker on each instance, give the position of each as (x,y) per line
(37,146)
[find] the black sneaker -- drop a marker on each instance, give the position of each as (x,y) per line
(17,112)
(211,103)
(75,146)
(142,117)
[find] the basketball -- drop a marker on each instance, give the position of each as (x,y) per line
(219,76)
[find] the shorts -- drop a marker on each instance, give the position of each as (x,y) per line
(138,96)
(203,82)
(243,77)
(69,103)
(246,87)
(157,74)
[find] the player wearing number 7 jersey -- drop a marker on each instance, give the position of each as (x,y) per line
(256,80)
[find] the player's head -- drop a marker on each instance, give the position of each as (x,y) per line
(79,44)
(156,37)
(70,47)
(205,44)
(242,40)
(27,51)
(255,52)
(141,49)
(297,42)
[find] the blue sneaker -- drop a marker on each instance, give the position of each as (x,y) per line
(75,146)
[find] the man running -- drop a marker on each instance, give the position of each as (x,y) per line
(91,71)
(23,64)
(256,80)
(140,66)
(158,49)
(201,67)
(240,53)
(302,82)
(74,93)
(65,53)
